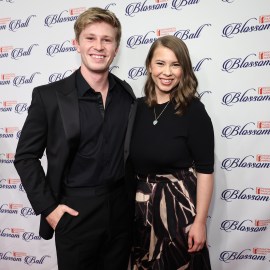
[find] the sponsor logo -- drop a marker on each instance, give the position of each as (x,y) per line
(233,64)
(64,47)
(9,183)
(13,256)
(263,94)
(64,16)
(249,193)
(3,23)
(11,208)
(59,76)
(21,52)
(246,254)
(21,80)
(4,51)
(6,106)
(11,232)
(262,161)
(232,29)
(14,25)
(262,128)
(165,31)
(7,158)
(247,225)
(6,78)
(8,132)
(137,7)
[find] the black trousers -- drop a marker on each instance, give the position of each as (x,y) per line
(99,238)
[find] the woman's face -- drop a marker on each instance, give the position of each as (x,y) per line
(165,70)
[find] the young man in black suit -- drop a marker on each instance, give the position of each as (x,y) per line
(84,123)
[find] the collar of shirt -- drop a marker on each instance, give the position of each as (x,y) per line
(83,86)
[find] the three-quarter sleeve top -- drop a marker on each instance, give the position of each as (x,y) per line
(175,142)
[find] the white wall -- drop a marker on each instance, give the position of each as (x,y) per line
(229,42)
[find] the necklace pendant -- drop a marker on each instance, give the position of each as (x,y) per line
(155,122)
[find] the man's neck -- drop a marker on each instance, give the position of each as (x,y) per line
(99,82)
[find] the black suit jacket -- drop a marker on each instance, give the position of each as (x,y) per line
(53,124)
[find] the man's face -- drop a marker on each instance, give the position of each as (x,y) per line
(97,46)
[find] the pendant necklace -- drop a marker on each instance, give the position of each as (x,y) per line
(156,117)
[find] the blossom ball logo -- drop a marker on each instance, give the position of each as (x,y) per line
(254,254)
(23,79)
(21,52)
(248,129)
(11,208)
(249,95)
(247,194)
(184,34)
(11,232)
(262,161)
(232,29)
(12,256)
(248,61)
(64,16)
(7,158)
(246,225)
(9,184)
(5,50)
(179,4)
(6,78)
(60,75)
(7,106)
(64,47)
(23,257)
(138,7)
(14,25)
(8,132)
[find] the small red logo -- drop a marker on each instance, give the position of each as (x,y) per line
(264,19)
(76,11)
(264,90)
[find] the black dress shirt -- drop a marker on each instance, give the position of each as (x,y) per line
(100,156)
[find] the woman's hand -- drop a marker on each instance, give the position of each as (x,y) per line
(196,236)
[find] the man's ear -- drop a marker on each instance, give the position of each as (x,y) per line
(77,45)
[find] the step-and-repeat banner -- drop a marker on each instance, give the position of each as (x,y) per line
(229,43)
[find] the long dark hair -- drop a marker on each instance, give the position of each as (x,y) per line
(186,90)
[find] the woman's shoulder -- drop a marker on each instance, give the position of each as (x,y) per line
(195,105)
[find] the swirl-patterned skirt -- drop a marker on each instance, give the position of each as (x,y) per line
(165,209)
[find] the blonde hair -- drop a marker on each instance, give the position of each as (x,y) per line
(186,90)
(96,14)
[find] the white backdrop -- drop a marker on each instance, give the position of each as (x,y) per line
(229,43)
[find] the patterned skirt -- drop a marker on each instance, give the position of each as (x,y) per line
(165,209)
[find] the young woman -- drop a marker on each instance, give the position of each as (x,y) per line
(172,152)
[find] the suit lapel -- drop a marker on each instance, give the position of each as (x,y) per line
(69,110)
